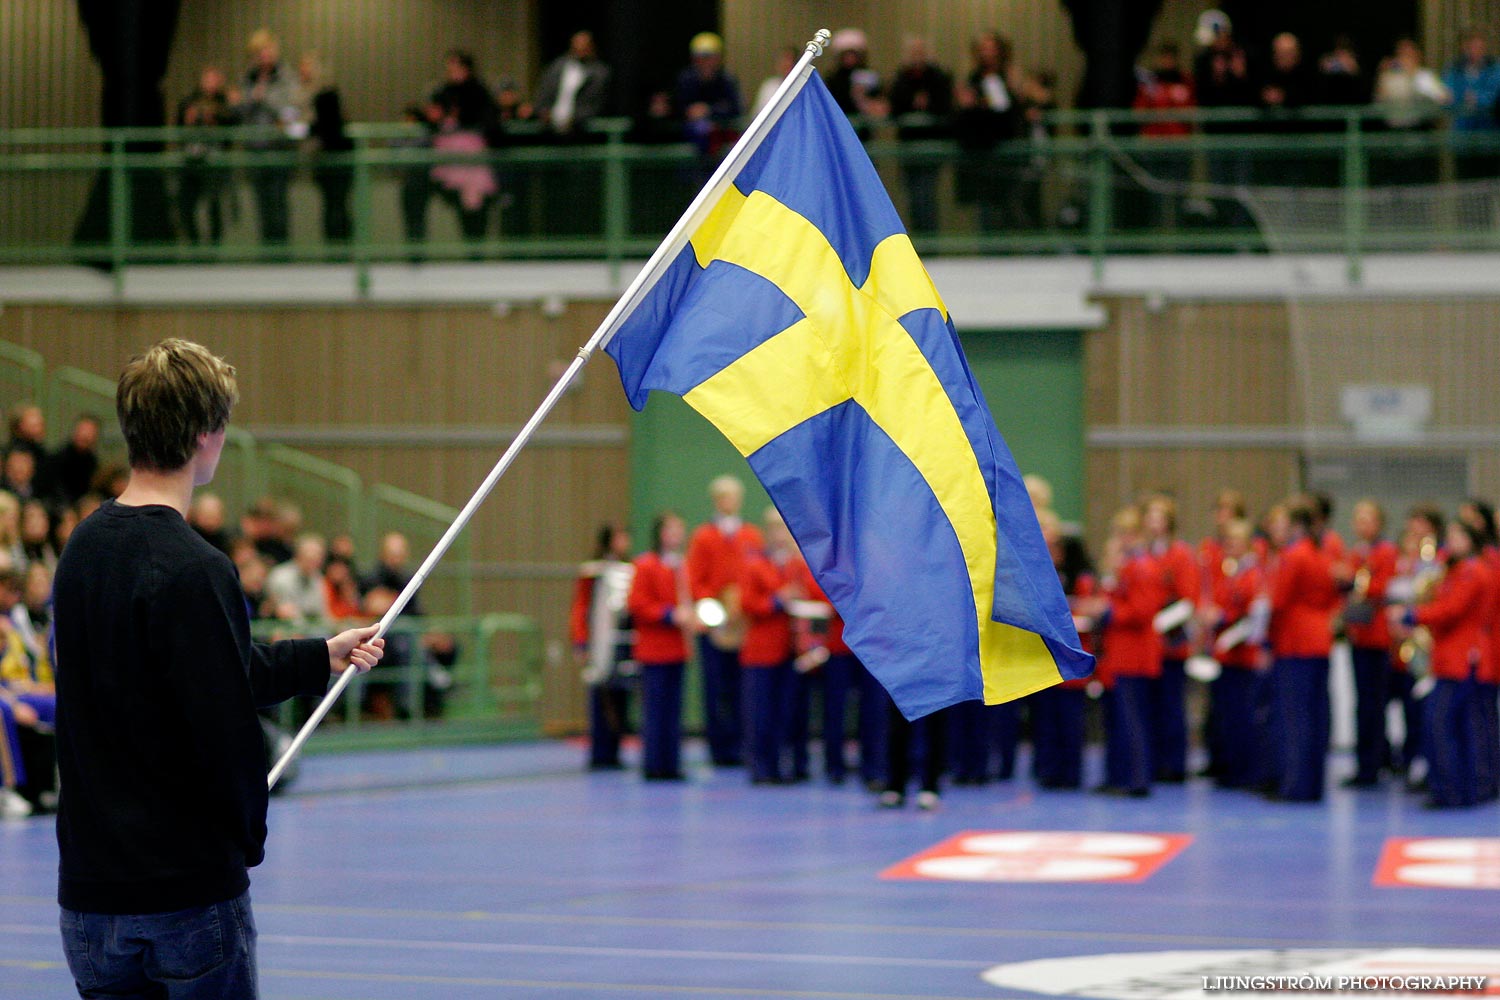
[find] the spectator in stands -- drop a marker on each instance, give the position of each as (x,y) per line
(77,462)
(18,473)
(391,570)
(206,516)
(989,114)
(853,84)
(1408,89)
(1473,83)
(1165,87)
(10,532)
(574,88)
(271,99)
(1411,95)
(464,118)
(202,182)
(921,101)
(265,524)
(1341,79)
(1289,83)
(707,97)
(62,529)
(786,58)
(28,431)
(28,692)
(324,112)
(36,535)
(88,503)
(37,601)
(1221,77)
(253,573)
(342,588)
(297,585)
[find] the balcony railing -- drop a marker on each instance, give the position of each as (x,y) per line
(1339,180)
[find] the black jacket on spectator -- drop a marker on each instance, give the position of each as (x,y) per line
(472,105)
(937,85)
(163,802)
(73,472)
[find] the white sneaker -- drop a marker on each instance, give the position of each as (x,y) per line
(892,800)
(12,806)
(927,800)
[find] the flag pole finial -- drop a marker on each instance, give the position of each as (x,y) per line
(819,42)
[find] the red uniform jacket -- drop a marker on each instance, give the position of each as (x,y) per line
(1131,646)
(714,559)
(1379,560)
(1304,598)
(578,614)
(833,639)
(1233,595)
(1178,567)
(653,596)
(768,639)
(1211,563)
(1492,562)
(1458,618)
(1166,95)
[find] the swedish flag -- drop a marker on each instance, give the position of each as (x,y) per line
(799,321)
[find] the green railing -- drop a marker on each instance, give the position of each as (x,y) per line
(23,375)
(1086,182)
(491,691)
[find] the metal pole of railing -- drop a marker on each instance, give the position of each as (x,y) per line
(1099,194)
(1354,199)
(363,207)
(119,212)
(616,204)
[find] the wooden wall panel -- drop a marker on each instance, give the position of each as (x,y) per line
(1204,368)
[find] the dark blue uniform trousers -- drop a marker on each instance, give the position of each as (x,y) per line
(661,719)
(1302,706)
(721,703)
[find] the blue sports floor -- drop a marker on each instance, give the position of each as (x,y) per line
(508,872)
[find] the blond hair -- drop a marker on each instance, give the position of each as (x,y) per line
(167,397)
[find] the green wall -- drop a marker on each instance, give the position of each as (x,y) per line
(1033,381)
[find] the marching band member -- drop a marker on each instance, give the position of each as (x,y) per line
(771,686)
(1418,568)
(1177,566)
(1328,539)
(601,646)
(1457,616)
(715,556)
(1057,713)
(1481,515)
(1234,617)
(836,666)
(661,611)
(1131,654)
(1304,598)
(1367,573)
(1229,506)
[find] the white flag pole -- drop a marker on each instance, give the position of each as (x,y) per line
(664,255)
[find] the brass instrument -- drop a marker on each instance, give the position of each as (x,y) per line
(609,637)
(730,635)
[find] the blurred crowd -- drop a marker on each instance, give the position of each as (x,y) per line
(289,575)
(996,99)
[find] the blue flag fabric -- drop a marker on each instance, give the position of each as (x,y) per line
(800,322)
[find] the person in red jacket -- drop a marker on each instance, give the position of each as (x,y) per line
(829,659)
(1366,572)
(767,585)
(1480,515)
(1131,653)
(1458,619)
(661,613)
(1177,566)
(715,556)
(1304,599)
(1232,616)
(609,687)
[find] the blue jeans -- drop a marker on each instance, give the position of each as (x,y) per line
(206,952)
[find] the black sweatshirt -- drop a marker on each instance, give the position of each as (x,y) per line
(163,792)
